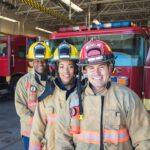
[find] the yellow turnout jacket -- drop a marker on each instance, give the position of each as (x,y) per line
(27,91)
(121,123)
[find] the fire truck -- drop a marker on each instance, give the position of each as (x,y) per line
(131,47)
(13,63)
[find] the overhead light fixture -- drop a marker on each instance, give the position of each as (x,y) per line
(73,6)
(95,21)
(8,19)
(41,29)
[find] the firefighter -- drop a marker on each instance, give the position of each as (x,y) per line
(43,129)
(106,116)
(30,86)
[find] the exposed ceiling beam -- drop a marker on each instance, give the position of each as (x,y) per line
(47,10)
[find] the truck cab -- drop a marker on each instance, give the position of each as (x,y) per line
(130,45)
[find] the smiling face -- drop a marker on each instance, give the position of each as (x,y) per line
(66,71)
(98,75)
(40,65)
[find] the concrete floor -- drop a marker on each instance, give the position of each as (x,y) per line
(10,138)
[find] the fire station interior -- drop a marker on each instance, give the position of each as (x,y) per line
(38,20)
(28,17)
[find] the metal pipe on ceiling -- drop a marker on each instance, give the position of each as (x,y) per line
(70,11)
(89,16)
(47,10)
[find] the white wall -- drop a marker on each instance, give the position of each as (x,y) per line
(148,23)
(8,27)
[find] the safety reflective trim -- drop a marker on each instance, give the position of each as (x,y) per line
(33,93)
(35,146)
(39,56)
(51,118)
(74,130)
(32,106)
(74,103)
(111,136)
(88,137)
(95,58)
(146,103)
(116,137)
(71,58)
(64,56)
(28,85)
(90,132)
(32,103)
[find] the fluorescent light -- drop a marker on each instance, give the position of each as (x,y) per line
(95,21)
(73,6)
(8,19)
(40,29)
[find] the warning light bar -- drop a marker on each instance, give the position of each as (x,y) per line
(97,26)
(74,28)
(113,25)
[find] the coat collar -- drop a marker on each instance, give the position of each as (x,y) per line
(60,85)
(89,91)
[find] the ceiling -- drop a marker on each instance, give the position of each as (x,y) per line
(55,14)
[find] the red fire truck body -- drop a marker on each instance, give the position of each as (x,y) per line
(131,46)
(13,63)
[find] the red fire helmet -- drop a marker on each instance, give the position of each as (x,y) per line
(95,52)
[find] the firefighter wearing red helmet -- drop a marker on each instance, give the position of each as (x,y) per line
(54,98)
(30,86)
(104,115)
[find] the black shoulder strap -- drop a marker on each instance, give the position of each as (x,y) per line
(84,83)
(79,91)
(49,89)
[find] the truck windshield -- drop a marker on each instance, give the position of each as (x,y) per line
(77,41)
(128,48)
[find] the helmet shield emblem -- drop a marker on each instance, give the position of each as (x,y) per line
(64,51)
(39,51)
